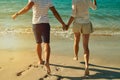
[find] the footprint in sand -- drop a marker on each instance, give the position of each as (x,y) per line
(11,59)
(41,79)
(29,67)
(35,66)
(21,72)
(51,77)
(58,69)
(0,68)
(45,76)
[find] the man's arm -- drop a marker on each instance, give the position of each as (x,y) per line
(24,10)
(56,14)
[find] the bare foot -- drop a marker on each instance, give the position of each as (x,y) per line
(75,58)
(86,72)
(48,68)
(41,62)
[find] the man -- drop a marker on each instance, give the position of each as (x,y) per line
(41,27)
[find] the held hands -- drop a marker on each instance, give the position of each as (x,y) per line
(65,27)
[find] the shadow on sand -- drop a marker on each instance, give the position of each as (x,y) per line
(102,72)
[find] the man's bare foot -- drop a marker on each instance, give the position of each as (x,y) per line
(41,62)
(75,58)
(47,68)
(86,72)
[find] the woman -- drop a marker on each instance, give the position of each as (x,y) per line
(41,27)
(82,26)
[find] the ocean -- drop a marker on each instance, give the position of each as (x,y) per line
(106,18)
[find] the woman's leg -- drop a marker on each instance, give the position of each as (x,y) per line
(76,45)
(86,52)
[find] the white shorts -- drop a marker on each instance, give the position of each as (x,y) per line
(85,28)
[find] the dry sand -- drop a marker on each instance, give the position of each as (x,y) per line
(18,59)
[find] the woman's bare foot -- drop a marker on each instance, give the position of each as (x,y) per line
(47,68)
(86,72)
(75,58)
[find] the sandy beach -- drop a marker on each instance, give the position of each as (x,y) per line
(18,57)
(19,60)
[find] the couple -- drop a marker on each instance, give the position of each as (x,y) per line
(41,27)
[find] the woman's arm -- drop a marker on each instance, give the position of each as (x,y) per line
(24,10)
(70,21)
(93,4)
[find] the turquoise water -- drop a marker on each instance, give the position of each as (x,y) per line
(106,17)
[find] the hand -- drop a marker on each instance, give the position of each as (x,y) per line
(64,27)
(67,27)
(95,2)
(14,15)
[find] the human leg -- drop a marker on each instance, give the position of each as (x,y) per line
(86,52)
(37,34)
(47,56)
(76,45)
(46,42)
(39,53)
(42,36)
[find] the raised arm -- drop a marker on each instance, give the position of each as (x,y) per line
(94,2)
(56,14)
(24,10)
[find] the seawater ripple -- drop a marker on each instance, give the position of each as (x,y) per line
(106,17)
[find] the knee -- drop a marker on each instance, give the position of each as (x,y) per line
(46,45)
(38,44)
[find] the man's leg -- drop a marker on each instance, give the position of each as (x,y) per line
(86,52)
(39,52)
(47,56)
(76,45)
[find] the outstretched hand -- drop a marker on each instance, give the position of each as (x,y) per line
(14,15)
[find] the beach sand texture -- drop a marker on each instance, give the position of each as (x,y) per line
(18,59)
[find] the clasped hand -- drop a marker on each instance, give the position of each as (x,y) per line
(65,27)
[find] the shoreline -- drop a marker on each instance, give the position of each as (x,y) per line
(28,29)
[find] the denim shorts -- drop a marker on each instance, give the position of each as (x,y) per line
(42,32)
